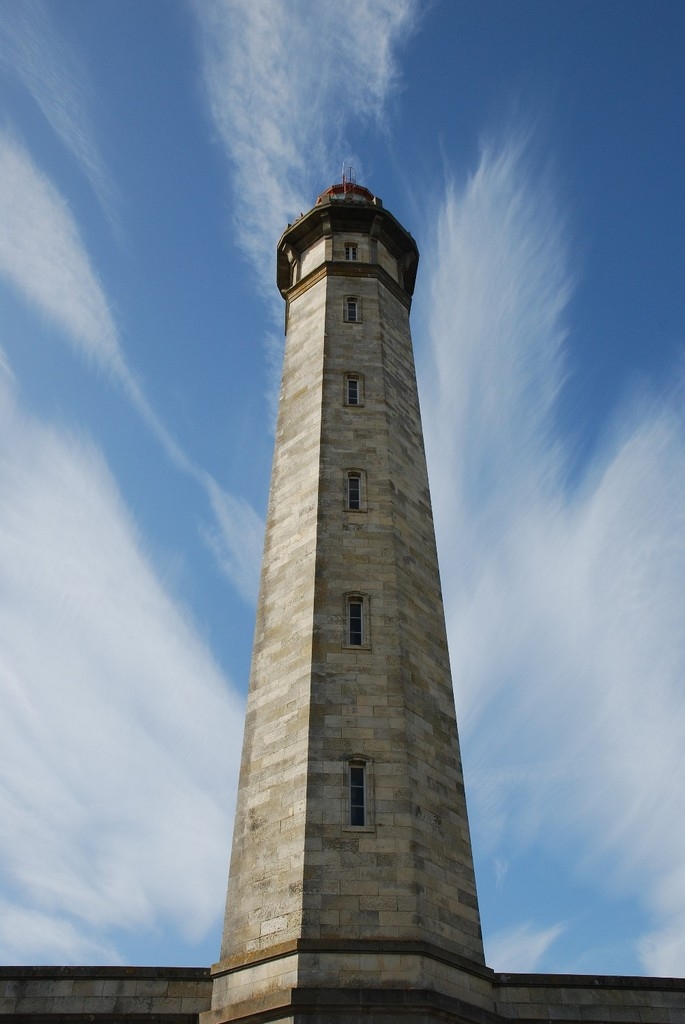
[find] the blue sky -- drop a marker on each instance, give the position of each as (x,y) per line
(150,156)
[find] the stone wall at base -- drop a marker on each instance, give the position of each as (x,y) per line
(177,995)
(108,995)
(583,997)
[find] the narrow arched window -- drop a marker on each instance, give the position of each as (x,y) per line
(357,627)
(357,807)
(353,389)
(357,794)
(354,491)
(352,313)
(355,621)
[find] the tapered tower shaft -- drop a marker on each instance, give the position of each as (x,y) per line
(351,868)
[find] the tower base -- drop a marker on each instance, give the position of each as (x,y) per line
(352,981)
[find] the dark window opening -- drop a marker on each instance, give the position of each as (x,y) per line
(352,391)
(355,623)
(350,252)
(357,795)
(351,311)
(354,491)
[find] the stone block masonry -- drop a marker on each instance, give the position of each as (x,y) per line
(350,673)
(173,995)
(109,995)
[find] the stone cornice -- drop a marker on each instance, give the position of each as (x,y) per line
(399,947)
(352,271)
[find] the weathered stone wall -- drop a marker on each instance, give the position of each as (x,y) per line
(168,995)
(312,258)
(159,995)
(264,904)
(590,997)
(410,874)
(578,997)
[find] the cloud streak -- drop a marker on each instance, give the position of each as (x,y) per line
(116,774)
(44,257)
(565,602)
(522,948)
(283,119)
(34,51)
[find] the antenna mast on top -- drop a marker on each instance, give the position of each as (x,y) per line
(349,178)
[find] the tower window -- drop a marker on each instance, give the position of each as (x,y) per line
(353,390)
(356,632)
(357,776)
(358,809)
(352,311)
(350,252)
(355,622)
(354,491)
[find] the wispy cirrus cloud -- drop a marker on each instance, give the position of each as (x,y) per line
(35,51)
(26,933)
(521,948)
(237,542)
(565,601)
(42,254)
(284,84)
(115,766)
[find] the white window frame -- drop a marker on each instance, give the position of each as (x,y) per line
(353,600)
(358,379)
(355,493)
(358,761)
(352,305)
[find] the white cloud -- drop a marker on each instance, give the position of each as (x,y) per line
(521,948)
(43,256)
(237,543)
(565,603)
(284,85)
(34,50)
(26,934)
(663,951)
(119,732)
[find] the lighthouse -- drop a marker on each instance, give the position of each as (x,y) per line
(351,886)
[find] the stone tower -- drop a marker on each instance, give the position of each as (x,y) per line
(351,892)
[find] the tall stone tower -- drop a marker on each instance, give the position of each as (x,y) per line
(351,892)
